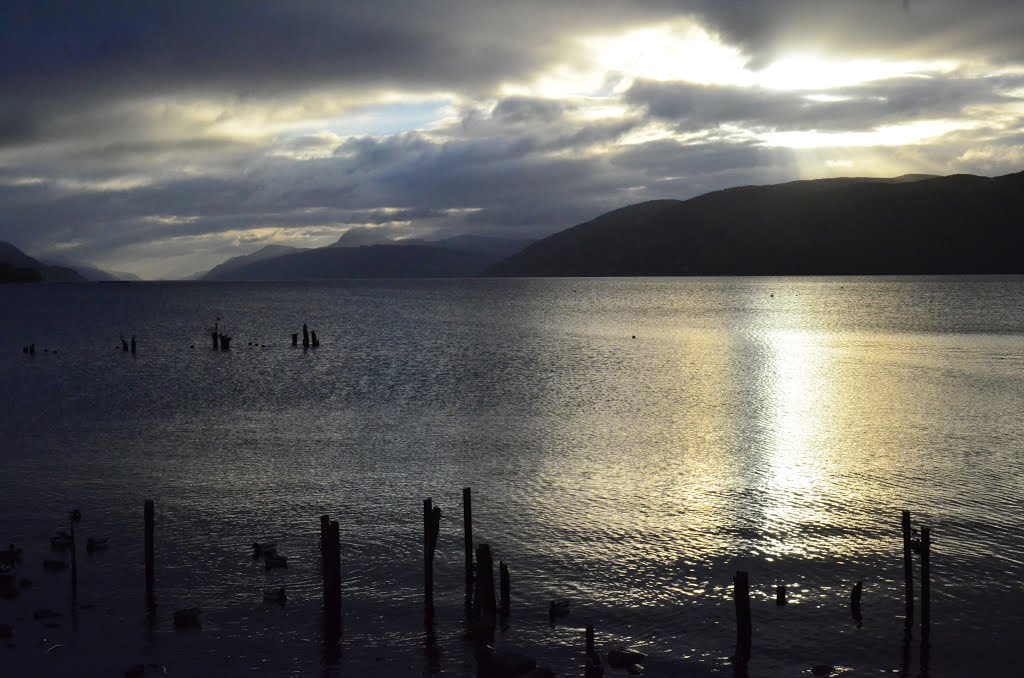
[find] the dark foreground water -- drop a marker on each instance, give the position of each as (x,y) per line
(777,426)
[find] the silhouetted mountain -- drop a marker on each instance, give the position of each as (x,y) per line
(93,274)
(373,261)
(460,256)
(484,244)
(225,269)
(17,274)
(16,259)
(955,224)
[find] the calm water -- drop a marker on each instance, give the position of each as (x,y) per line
(777,426)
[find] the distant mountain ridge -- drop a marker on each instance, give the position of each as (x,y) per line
(223,270)
(914,224)
(16,266)
(366,255)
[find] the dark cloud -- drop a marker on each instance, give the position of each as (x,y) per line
(99,50)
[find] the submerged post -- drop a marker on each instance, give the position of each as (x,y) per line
(504,587)
(467,521)
(908,571)
(741,597)
(926,580)
(149,514)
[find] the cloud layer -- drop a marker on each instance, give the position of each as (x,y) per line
(163,137)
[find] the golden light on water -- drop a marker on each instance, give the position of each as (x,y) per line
(798,390)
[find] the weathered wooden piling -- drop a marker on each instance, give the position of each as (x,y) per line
(908,571)
(855,603)
(149,516)
(926,580)
(431,527)
(484,608)
(741,597)
(780,595)
(331,560)
(590,640)
(305,336)
(504,587)
(467,522)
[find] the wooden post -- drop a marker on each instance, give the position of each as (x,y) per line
(467,521)
(855,603)
(780,595)
(428,554)
(908,572)
(483,601)
(590,640)
(504,587)
(741,596)
(331,559)
(149,518)
(926,580)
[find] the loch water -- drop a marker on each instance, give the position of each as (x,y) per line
(631,444)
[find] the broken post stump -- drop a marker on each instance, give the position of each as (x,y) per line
(504,587)
(780,595)
(149,516)
(908,571)
(741,597)
(467,522)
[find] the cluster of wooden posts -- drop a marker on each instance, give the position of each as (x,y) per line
(911,545)
(484,608)
(309,338)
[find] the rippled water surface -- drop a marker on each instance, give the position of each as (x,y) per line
(631,444)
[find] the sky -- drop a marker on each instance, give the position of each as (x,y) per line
(162,137)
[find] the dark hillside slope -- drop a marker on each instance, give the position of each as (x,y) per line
(956,224)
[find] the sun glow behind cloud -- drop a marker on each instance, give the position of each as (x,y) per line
(684,51)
